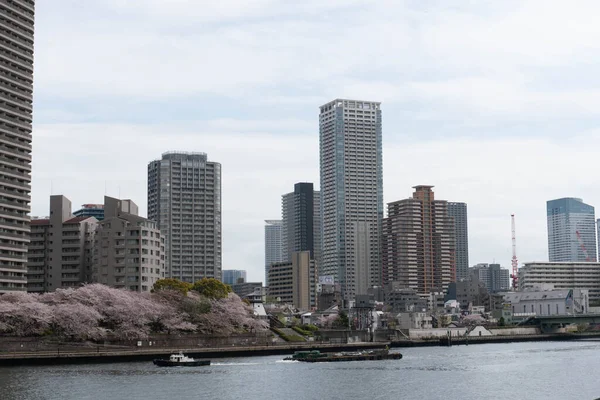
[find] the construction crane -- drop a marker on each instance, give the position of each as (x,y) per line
(515,263)
(585,253)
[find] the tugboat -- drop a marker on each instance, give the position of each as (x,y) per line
(180,360)
(368,355)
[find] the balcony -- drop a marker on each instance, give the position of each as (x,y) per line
(14,204)
(13,182)
(9,130)
(22,154)
(14,194)
(24,227)
(13,278)
(23,246)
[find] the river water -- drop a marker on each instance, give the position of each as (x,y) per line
(540,370)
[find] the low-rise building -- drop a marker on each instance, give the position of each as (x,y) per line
(547,302)
(402,299)
(562,275)
(414,320)
(243,289)
(295,282)
(129,249)
(470,291)
(59,253)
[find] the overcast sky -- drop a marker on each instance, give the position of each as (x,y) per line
(496,103)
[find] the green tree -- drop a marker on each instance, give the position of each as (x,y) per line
(212,288)
(501,322)
(172,284)
(342,321)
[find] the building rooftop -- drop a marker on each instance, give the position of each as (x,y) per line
(76,220)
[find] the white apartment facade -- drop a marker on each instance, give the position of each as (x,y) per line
(562,275)
(351,172)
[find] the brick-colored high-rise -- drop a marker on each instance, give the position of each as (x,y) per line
(418,243)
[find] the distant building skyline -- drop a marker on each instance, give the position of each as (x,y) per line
(571,228)
(351,172)
(231,276)
(184,199)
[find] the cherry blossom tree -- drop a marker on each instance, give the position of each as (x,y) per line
(93,312)
(21,314)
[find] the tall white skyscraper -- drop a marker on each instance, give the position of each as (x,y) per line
(571,231)
(273,245)
(184,198)
(351,193)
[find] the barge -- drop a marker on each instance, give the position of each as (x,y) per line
(369,355)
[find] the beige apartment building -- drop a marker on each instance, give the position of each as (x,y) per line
(294,282)
(129,249)
(60,249)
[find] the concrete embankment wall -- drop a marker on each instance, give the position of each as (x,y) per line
(104,355)
(515,331)
(458,332)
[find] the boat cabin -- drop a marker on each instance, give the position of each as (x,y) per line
(179,358)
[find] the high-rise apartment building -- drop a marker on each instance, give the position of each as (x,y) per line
(273,245)
(16,99)
(458,211)
(598,237)
(351,193)
(494,277)
(60,251)
(301,221)
(231,276)
(571,231)
(128,249)
(184,198)
(418,244)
